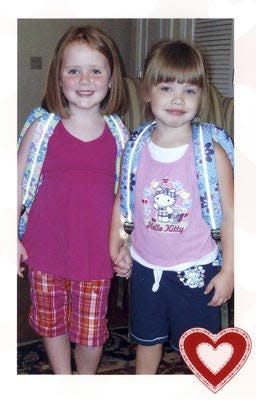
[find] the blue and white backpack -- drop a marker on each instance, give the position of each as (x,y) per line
(47,122)
(203,136)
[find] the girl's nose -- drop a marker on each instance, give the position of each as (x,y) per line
(85,77)
(177,98)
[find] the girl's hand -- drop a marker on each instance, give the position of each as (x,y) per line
(123,263)
(21,257)
(223,283)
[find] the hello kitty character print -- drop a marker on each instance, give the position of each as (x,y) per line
(164,199)
(166,206)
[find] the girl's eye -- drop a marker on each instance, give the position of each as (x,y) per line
(96,71)
(191,90)
(165,88)
(73,71)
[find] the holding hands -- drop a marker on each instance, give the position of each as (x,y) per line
(123,263)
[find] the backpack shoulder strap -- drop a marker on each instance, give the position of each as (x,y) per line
(37,113)
(36,155)
(130,163)
(203,137)
(121,134)
(118,129)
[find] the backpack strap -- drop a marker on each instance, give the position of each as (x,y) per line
(203,137)
(36,155)
(37,113)
(121,135)
(131,157)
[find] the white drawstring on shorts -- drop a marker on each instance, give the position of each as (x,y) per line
(157,276)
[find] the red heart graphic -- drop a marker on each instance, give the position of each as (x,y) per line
(233,346)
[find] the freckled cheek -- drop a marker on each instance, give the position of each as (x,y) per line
(100,82)
(68,83)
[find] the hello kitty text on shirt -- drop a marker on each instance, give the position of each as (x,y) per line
(166,206)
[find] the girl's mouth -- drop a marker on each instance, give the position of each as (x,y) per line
(177,112)
(85,92)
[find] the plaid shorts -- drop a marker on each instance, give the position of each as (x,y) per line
(61,306)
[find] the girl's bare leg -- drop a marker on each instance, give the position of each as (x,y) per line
(148,359)
(87,359)
(59,354)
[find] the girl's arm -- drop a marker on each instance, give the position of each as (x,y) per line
(223,282)
(22,159)
(119,251)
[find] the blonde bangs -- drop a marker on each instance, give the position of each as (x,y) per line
(170,67)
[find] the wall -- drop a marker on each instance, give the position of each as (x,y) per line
(148,31)
(38,37)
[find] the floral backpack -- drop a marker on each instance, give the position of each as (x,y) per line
(47,122)
(203,136)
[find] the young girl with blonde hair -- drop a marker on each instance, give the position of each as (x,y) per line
(176,280)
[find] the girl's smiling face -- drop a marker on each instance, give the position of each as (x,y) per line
(174,104)
(85,76)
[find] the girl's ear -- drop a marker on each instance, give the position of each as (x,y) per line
(110,83)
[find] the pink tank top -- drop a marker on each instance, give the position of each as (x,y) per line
(68,227)
(169,228)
